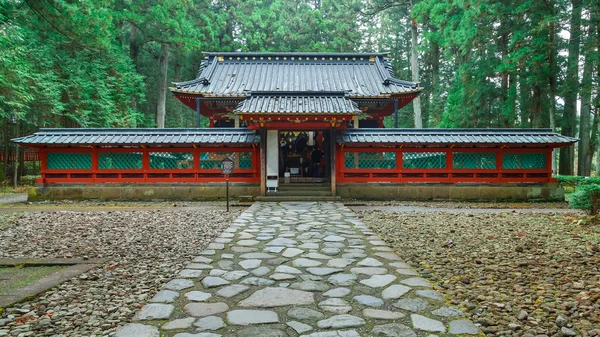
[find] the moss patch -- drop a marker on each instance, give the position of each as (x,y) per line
(12,278)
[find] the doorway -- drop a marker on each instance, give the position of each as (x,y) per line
(304,156)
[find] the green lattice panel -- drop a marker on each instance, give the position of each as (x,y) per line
(171,160)
(119,160)
(473,160)
(424,160)
(370,160)
(212,160)
(69,161)
(524,161)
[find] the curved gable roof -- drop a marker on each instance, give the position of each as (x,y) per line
(237,74)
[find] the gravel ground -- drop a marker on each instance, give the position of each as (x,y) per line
(515,274)
(461,204)
(143,249)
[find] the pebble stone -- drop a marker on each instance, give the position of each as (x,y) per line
(277,297)
(393,330)
(412,304)
(337,292)
(205,309)
(304,314)
(165,296)
(190,273)
(262,331)
(296,267)
(463,327)
(427,324)
(213,281)
(395,291)
(448,312)
(247,317)
(370,301)
(155,311)
(137,330)
(182,323)
(378,281)
(179,284)
(342,279)
(341,321)
(299,326)
(382,314)
(197,296)
(233,290)
(416,282)
(431,294)
(209,323)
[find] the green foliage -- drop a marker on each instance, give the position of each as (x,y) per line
(587,197)
(574,181)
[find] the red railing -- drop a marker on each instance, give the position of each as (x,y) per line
(196,172)
(448,174)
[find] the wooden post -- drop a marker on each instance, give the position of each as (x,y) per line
(356,122)
(236,122)
(332,160)
(16,173)
(395,113)
(263,162)
(198,112)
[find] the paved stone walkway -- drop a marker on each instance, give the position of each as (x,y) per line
(298,269)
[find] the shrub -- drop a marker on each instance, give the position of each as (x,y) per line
(586,196)
(29,180)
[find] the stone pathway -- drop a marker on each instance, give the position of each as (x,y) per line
(298,269)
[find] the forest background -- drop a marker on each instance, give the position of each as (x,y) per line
(483,63)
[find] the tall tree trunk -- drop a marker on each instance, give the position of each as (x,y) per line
(584,162)
(6,149)
(524,98)
(552,79)
(436,105)
(597,16)
(508,112)
(134,47)
(162,86)
(571,87)
(415,67)
(536,108)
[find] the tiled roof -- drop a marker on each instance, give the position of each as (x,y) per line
(139,136)
(329,103)
(237,74)
(454,136)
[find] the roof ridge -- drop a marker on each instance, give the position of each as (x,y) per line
(296,53)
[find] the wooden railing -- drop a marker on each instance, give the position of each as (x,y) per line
(444,165)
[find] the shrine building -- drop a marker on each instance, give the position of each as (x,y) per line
(298,126)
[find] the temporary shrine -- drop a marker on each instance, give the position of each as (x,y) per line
(304,126)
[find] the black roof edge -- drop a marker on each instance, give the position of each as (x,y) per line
(442,130)
(145,130)
(299,93)
(211,53)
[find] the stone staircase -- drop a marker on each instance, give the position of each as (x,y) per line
(301,192)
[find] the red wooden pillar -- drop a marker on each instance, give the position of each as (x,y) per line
(43,164)
(332,161)
(399,162)
(145,162)
(549,164)
(449,162)
(499,162)
(95,168)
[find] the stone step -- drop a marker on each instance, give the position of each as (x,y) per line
(297,198)
(291,187)
(293,192)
